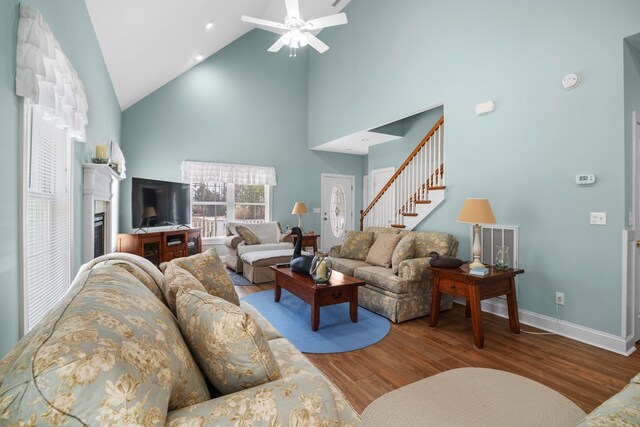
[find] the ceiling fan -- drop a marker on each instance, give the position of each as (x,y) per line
(295,32)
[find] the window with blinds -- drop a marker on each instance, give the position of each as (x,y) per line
(47,216)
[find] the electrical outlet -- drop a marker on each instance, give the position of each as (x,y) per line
(560,298)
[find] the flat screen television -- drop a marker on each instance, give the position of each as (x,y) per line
(159,203)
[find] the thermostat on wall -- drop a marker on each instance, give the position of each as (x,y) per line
(585,178)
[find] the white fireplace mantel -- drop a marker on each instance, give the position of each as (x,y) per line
(100,185)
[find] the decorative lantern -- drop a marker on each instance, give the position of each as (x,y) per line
(320,268)
(101,151)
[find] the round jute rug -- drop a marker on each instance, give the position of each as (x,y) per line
(473,397)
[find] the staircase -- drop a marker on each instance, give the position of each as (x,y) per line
(416,188)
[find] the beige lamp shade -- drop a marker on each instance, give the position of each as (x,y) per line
(149,212)
(299,209)
(476,211)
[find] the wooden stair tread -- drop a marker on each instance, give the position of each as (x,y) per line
(397,225)
(409,214)
(437,187)
(422,202)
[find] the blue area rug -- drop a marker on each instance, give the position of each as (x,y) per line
(336,334)
(238,279)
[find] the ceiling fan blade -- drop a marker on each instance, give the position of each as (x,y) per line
(293,9)
(326,21)
(316,43)
(263,22)
(280,43)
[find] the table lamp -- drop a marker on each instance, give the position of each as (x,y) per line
(149,212)
(476,212)
(299,209)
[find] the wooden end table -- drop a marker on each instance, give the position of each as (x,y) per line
(458,281)
(308,241)
(341,288)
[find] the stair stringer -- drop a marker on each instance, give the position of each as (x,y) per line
(424,210)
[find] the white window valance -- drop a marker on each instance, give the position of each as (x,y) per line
(229,173)
(45,76)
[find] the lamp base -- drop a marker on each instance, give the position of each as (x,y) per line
(476,264)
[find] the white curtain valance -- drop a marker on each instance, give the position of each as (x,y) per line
(229,173)
(45,76)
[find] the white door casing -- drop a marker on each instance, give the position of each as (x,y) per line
(337,208)
(634,262)
(366,199)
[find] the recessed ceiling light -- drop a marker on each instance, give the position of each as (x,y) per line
(199,58)
(209,25)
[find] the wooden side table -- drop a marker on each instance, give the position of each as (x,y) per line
(458,281)
(308,240)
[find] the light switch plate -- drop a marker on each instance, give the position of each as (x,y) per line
(598,218)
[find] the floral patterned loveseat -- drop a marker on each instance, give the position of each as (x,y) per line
(111,353)
(398,287)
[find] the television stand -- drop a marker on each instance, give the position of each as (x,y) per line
(161,246)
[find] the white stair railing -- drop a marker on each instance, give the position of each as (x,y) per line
(409,187)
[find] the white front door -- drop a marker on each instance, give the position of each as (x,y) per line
(337,206)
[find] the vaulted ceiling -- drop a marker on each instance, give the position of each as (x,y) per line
(147,43)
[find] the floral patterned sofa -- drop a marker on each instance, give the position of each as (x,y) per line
(111,353)
(399,284)
(621,409)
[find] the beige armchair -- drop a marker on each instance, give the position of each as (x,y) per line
(270,236)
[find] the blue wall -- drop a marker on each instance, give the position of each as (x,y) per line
(394,153)
(393,60)
(242,105)
(69,21)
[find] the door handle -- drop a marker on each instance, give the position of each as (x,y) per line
(637,243)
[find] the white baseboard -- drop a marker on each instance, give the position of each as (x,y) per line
(570,330)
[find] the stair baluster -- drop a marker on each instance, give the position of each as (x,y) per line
(409,187)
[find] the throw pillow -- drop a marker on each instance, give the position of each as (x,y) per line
(176,278)
(405,249)
(247,235)
(226,342)
(209,270)
(382,249)
(356,245)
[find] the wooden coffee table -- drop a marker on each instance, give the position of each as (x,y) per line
(341,288)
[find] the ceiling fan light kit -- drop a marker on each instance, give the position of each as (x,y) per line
(295,33)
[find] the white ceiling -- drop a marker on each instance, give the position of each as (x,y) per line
(357,143)
(147,43)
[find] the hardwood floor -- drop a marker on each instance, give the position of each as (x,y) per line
(412,351)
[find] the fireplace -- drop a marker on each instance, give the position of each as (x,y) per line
(98,234)
(100,215)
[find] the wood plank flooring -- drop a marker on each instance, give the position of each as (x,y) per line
(412,351)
